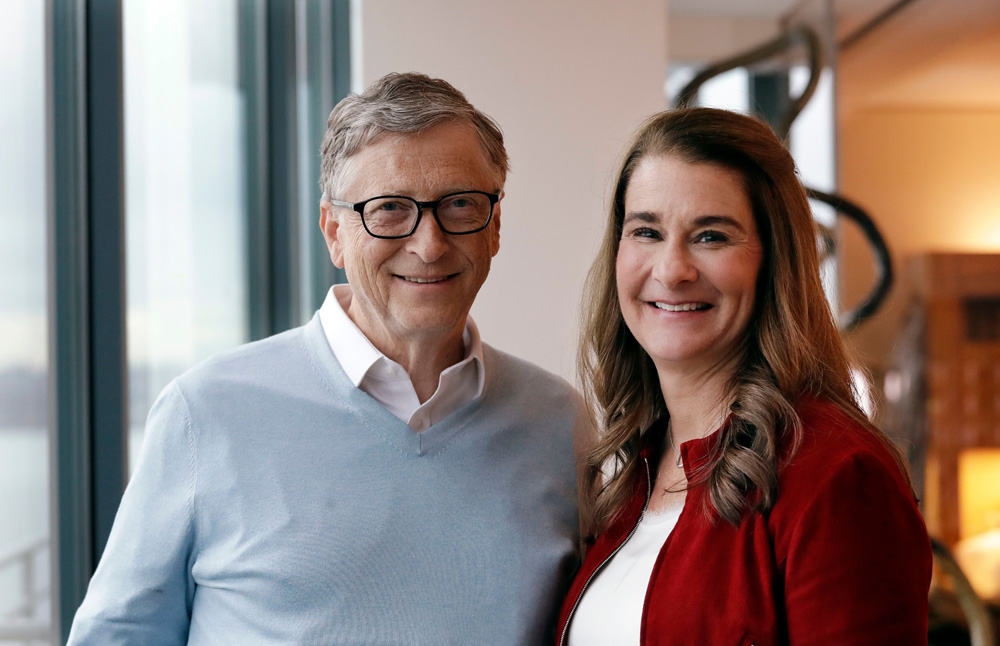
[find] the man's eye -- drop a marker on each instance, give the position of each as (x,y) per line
(388,206)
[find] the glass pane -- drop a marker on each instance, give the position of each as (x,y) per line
(24,444)
(729,90)
(317,92)
(185,192)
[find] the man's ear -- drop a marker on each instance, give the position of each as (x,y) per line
(329,224)
(495,228)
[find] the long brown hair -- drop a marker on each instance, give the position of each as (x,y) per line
(792,348)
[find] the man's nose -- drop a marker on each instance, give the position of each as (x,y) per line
(428,241)
(675,265)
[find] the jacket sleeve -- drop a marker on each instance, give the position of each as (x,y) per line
(858,560)
(143,590)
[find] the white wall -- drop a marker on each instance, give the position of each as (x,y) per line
(709,37)
(568,81)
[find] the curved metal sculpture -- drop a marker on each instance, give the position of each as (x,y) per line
(770,49)
(883,260)
(976,613)
(880,251)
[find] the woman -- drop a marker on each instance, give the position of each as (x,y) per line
(739,493)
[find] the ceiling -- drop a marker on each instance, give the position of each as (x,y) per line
(933,53)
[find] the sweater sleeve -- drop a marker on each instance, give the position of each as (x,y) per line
(858,560)
(143,590)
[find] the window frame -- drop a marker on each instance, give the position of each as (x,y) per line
(88,396)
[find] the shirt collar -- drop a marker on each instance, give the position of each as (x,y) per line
(356,354)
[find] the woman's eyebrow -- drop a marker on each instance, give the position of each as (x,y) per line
(717,220)
(642,216)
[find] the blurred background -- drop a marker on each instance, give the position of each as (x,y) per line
(158,204)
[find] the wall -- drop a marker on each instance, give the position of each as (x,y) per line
(707,38)
(568,82)
(929,178)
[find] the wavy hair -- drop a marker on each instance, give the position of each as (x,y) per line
(792,347)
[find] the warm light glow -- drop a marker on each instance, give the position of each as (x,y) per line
(932,495)
(978,491)
(978,229)
(978,553)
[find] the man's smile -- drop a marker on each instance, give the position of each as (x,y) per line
(421,280)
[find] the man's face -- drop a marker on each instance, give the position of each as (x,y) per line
(417,289)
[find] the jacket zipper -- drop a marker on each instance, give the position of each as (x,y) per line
(569,618)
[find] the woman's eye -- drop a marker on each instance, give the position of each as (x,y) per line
(644,232)
(711,236)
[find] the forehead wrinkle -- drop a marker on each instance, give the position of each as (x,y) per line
(421,177)
(420,167)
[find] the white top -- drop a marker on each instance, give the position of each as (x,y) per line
(385,380)
(610,611)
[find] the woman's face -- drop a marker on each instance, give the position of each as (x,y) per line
(687,263)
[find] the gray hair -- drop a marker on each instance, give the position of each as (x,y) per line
(404,104)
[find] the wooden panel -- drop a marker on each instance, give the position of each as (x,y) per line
(953,276)
(962,405)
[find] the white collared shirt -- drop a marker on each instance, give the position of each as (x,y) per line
(385,380)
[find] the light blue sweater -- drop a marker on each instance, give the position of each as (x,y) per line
(275,503)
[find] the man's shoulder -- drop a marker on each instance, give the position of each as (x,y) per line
(268,361)
(516,380)
(522,372)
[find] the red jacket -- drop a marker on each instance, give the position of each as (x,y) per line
(842,558)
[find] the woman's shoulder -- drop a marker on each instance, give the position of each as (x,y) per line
(838,457)
(847,534)
(830,439)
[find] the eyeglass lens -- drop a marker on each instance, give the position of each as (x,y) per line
(395,216)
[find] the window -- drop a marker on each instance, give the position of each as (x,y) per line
(24,440)
(163,225)
(185,188)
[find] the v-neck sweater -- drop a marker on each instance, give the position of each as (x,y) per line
(276,503)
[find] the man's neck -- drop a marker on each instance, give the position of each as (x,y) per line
(422,356)
(425,361)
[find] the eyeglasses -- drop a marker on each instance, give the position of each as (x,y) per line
(397,216)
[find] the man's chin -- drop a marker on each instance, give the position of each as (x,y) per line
(432,321)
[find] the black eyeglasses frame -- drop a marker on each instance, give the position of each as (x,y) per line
(432,205)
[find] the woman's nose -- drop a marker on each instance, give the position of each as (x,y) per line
(675,265)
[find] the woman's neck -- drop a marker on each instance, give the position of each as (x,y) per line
(697,402)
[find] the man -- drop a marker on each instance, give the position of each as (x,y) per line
(379,475)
